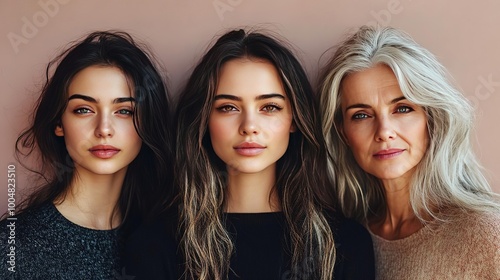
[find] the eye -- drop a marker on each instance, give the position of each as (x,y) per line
(359,116)
(226,108)
(82,111)
(271,108)
(125,112)
(403,109)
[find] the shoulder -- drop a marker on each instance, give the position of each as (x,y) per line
(29,214)
(477,235)
(29,221)
(42,241)
(482,228)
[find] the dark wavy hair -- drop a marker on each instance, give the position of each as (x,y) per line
(201,175)
(148,175)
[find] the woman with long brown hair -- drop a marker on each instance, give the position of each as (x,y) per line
(250,167)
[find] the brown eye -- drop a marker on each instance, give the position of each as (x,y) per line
(271,108)
(226,108)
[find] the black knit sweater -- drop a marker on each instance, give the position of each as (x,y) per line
(48,246)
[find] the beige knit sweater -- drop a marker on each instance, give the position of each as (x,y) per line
(466,249)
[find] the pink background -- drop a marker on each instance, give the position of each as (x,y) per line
(463,35)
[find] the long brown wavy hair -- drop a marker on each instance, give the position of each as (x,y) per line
(201,175)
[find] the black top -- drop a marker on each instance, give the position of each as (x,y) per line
(43,244)
(259,245)
(261,250)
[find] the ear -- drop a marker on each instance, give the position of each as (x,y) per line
(59,131)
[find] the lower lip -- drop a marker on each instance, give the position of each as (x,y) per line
(104,153)
(388,156)
(249,151)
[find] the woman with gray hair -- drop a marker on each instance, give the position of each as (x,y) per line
(401,160)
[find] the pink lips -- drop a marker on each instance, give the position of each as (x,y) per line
(249,149)
(104,151)
(388,154)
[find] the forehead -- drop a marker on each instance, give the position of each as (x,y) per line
(249,75)
(376,82)
(101,82)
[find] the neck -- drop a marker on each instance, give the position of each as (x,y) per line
(91,200)
(252,193)
(400,220)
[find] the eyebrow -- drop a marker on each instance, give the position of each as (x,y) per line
(366,106)
(93,100)
(260,97)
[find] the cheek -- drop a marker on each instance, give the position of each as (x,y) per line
(282,130)
(356,137)
(131,135)
(422,135)
(279,126)
(76,141)
(128,128)
(214,126)
(277,123)
(136,141)
(218,129)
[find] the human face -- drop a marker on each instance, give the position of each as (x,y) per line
(386,133)
(251,118)
(97,124)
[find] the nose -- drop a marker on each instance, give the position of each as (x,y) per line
(104,127)
(249,124)
(385,130)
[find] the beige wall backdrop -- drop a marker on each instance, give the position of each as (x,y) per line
(463,35)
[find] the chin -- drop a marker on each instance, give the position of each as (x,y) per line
(391,175)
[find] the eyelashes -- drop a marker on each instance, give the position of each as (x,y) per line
(359,116)
(272,107)
(85,111)
(126,112)
(404,109)
(268,108)
(82,111)
(401,109)
(226,108)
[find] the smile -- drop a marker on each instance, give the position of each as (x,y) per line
(104,151)
(388,154)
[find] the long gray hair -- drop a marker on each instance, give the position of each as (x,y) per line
(448,176)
